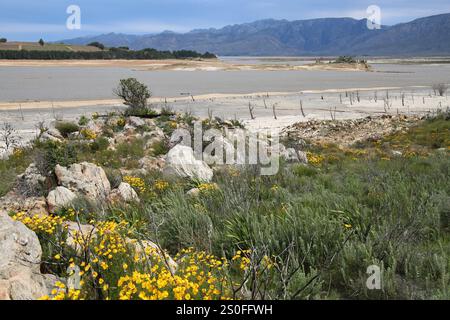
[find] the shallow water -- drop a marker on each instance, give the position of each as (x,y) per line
(81,83)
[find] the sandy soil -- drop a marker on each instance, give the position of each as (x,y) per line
(180,65)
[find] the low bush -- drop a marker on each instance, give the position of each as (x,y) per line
(66,128)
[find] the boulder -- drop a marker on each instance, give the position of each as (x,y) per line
(124,193)
(229,152)
(20,259)
(181,162)
(85,179)
(59,198)
(51,135)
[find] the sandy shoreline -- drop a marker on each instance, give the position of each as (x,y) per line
(181,65)
(30,105)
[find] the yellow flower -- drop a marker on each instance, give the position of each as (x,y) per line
(57,257)
(314,159)
(88,134)
(208,187)
(136,183)
(161,185)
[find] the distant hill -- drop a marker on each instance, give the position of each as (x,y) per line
(327,36)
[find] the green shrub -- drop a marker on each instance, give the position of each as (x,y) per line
(135,95)
(83,121)
(159,148)
(48,154)
(66,128)
(99,144)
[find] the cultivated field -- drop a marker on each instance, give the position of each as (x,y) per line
(31,46)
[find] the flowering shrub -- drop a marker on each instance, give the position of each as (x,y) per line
(40,223)
(161,185)
(198,277)
(208,187)
(88,134)
(109,265)
(121,122)
(314,159)
(136,182)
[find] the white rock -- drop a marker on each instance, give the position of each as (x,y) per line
(51,135)
(85,179)
(20,259)
(181,162)
(135,122)
(59,198)
(123,193)
(194,192)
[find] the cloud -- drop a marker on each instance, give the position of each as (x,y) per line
(27,18)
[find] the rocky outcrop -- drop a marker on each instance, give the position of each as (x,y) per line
(59,198)
(181,162)
(124,193)
(85,179)
(20,258)
(351,131)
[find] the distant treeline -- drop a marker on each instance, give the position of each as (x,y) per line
(112,53)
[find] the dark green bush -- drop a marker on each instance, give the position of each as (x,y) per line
(66,128)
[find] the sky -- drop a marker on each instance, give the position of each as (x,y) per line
(30,20)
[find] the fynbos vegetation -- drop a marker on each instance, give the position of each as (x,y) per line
(308,232)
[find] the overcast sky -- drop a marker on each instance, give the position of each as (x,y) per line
(33,19)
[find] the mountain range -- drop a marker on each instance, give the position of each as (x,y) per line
(324,36)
